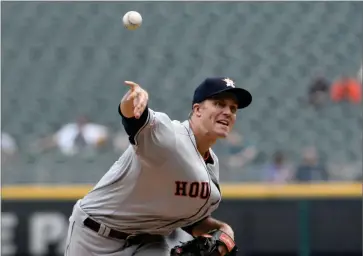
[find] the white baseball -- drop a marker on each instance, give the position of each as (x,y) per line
(132,20)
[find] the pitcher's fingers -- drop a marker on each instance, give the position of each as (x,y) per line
(136,101)
(137,107)
(141,106)
(138,111)
(132,95)
(131,84)
(139,98)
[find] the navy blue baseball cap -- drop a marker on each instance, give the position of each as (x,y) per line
(213,86)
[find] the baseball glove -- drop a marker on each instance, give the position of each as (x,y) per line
(206,245)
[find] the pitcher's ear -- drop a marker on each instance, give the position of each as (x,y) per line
(197,109)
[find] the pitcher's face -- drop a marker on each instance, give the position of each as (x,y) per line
(218,115)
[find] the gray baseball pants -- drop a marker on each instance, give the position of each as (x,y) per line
(82,241)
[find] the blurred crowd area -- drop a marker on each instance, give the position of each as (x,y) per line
(64,63)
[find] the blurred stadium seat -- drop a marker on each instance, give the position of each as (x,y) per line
(63,59)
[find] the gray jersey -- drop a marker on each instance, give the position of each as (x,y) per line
(160,183)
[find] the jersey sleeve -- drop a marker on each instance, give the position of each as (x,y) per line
(153,131)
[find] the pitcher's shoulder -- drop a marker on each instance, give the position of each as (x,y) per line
(181,128)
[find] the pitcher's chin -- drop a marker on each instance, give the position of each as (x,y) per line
(222,134)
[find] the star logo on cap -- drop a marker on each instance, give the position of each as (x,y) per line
(229,82)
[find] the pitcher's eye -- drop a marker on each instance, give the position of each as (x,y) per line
(233,109)
(220,104)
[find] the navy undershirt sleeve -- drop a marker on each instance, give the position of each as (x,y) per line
(133,125)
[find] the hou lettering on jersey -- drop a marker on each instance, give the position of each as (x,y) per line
(192,189)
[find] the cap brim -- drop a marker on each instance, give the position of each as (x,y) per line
(244,97)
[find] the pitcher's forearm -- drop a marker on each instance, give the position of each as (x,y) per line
(210,224)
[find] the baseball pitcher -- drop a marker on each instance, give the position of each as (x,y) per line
(168,178)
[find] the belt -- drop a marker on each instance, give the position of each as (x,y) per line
(95,226)
(112,233)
